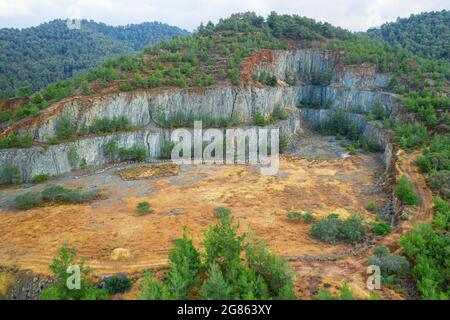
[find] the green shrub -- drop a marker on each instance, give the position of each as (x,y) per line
(380,228)
(73,156)
(332,229)
(442,213)
(283,143)
(327,229)
(267,79)
(60,290)
(144,208)
(392,266)
(371,206)
(43,177)
(65,127)
(54,194)
(428,250)
(118,283)
(166,151)
(27,200)
(352,229)
(259,119)
(10,174)
(16,141)
(308,217)
(215,287)
(221,211)
(405,192)
(134,153)
(83,164)
(110,150)
(410,135)
(439,181)
(107,125)
(294,216)
(259,275)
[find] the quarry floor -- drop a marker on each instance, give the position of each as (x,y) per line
(318,175)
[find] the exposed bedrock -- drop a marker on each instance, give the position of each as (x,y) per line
(350,88)
(56,159)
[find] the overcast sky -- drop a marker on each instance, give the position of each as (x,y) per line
(356,15)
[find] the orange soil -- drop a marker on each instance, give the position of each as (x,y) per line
(30,239)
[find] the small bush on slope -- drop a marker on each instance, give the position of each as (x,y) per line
(391,266)
(60,290)
(118,283)
(333,229)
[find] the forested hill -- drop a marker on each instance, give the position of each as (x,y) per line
(37,56)
(426,34)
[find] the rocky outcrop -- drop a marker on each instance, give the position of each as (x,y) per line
(62,158)
(347,87)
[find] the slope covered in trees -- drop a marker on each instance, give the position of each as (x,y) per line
(34,57)
(426,34)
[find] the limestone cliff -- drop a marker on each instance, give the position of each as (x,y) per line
(316,77)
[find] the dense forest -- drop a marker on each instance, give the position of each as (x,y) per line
(32,58)
(426,34)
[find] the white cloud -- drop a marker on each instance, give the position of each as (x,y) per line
(351,14)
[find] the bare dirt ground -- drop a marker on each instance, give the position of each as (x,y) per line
(113,238)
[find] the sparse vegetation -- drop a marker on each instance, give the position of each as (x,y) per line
(54,195)
(109,125)
(295,216)
(221,211)
(16,141)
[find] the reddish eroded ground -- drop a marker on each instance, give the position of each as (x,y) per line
(112,236)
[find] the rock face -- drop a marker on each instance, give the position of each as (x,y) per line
(319,79)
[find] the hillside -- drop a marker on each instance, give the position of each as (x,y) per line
(34,57)
(426,34)
(359,119)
